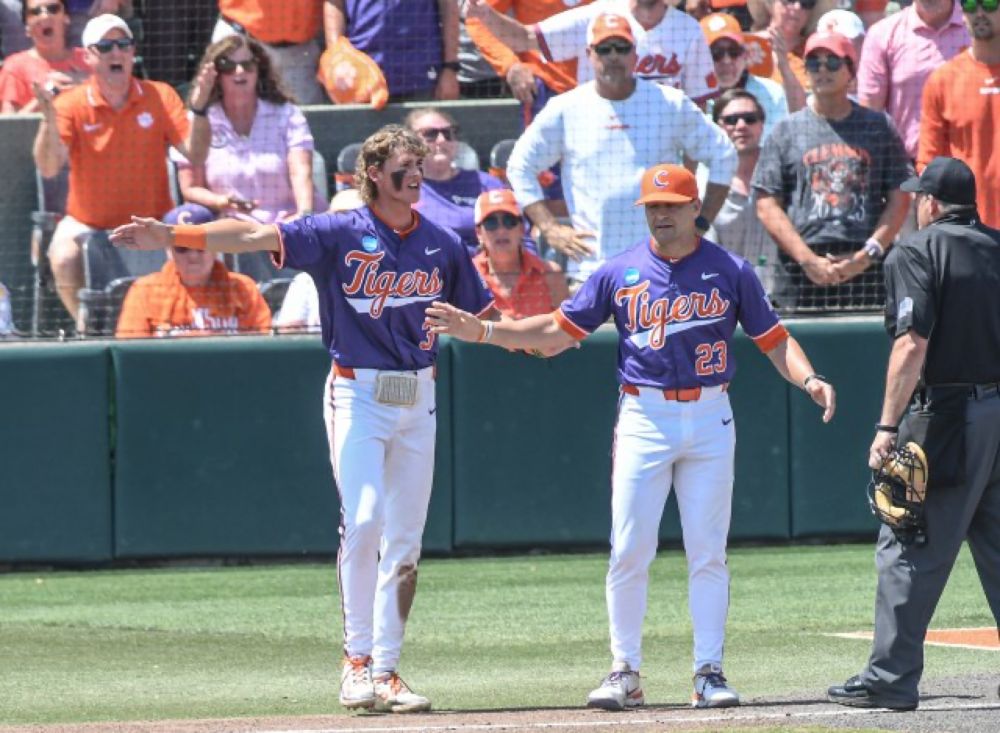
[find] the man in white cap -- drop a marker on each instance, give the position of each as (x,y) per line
(114,132)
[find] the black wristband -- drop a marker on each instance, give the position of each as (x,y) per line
(203,112)
(814,375)
(451,65)
(886,428)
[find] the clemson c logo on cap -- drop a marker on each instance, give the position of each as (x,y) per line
(716,23)
(660,179)
(496,197)
(184,217)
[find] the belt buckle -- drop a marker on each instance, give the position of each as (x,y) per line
(398,389)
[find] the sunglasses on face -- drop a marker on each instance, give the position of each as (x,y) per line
(751,118)
(494,221)
(225,65)
(108,44)
(430,134)
(832,63)
(49,9)
(969,6)
(733,52)
(619,47)
(804,4)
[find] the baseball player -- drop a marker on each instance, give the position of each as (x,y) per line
(675,299)
(375,268)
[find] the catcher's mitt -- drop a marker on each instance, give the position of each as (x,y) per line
(897,490)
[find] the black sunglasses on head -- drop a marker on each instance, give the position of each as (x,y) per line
(225,65)
(751,118)
(50,9)
(832,63)
(733,52)
(430,134)
(619,47)
(804,4)
(107,44)
(494,221)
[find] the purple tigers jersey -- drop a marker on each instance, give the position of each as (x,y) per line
(675,319)
(374,284)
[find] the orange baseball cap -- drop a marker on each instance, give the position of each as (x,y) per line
(490,202)
(668,184)
(718,4)
(834,43)
(721,25)
(609,25)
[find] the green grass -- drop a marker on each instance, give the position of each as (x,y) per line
(223,642)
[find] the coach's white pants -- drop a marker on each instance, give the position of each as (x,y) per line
(383,462)
(690,445)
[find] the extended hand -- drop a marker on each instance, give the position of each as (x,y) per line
(447,85)
(849,267)
(204,83)
(142,233)
(884,442)
(445,318)
(821,271)
(824,395)
(476,9)
(521,82)
(569,241)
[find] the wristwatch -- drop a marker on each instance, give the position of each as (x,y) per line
(874,250)
(451,65)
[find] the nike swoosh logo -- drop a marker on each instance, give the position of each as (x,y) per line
(726,422)
(709,275)
(91,128)
(432,411)
(428,251)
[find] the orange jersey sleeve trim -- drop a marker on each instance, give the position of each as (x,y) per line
(771,338)
(568,326)
(486,310)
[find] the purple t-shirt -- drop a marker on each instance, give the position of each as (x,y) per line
(675,318)
(402,36)
(452,203)
(374,284)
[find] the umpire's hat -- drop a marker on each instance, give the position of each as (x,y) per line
(947,179)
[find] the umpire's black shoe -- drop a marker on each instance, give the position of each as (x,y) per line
(854,694)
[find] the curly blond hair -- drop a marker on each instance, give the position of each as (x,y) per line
(377,149)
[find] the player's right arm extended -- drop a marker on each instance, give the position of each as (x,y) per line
(541,334)
(226,235)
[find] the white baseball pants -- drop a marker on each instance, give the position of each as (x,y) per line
(383,463)
(661,443)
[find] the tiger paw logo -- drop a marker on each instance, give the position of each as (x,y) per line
(145,120)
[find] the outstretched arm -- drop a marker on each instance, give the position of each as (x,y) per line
(226,235)
(793,364)
(512,33)
(538,333)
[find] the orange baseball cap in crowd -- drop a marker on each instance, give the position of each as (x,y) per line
(668,184)
(609,25)
(721,25)
(490,202)
(719,4)
(833,43)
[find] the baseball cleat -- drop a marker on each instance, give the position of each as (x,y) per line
(356,687)
(711,690)
(392,695)
(619,690)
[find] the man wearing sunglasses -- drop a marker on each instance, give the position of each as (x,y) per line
(961,106)
(827,186)
(114,132)
(605,133)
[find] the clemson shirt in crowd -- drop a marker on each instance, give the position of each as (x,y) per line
(21,69)
(276,21)
(530,296)
(961,119)
(160,305)
(118,158)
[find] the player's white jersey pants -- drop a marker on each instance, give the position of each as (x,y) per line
(383,462)
(690,445)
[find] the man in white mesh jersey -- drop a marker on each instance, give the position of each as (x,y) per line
(605,133)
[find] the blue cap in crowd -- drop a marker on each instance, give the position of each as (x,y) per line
(189,214)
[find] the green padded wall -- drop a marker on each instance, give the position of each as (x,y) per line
(829,468)
(55,496)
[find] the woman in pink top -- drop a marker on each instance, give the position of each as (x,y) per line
(259,165)
(522,284)
(49,62)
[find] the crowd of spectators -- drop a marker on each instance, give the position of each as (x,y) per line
(802,116)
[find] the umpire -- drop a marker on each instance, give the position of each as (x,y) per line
(943,312)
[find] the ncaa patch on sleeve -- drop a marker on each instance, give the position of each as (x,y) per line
(904,313)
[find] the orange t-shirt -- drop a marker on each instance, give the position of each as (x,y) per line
(118,158)
(530,296)
(276,21)
(960,118)
(21,69)
(559,77)
(161,305)
(798,65)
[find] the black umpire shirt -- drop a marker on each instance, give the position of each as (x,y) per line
(943,282)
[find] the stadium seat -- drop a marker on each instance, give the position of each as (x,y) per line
(498,158)
(273,292)
(47,314)
(347,160)
(466,158)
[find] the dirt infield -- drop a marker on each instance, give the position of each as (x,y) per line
(955,705)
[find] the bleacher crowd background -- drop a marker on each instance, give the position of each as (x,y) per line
(802,119)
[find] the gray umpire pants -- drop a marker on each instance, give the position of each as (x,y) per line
(912,577)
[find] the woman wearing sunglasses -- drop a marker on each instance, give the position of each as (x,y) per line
(448,192)
(50,62)
(260,163)
(522,284)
